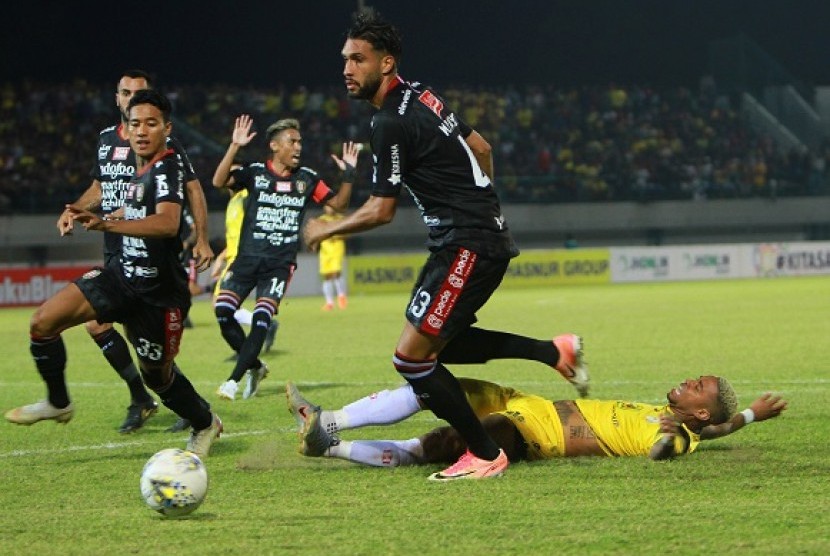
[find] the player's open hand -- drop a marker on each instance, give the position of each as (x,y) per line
(768,406)
(350,152)
(242,130)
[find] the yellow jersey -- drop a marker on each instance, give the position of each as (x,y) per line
(631,429)
(234,214)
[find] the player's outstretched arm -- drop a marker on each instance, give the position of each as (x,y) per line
(347,164)
(376,211)
(165,223)
(240,138)
(765,407)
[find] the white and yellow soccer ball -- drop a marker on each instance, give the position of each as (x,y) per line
(174,482)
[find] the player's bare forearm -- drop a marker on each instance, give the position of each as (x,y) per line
(202,253)
(223,171)
(482,151)
(376,211)
(340,202)
(165,223)
(767,406)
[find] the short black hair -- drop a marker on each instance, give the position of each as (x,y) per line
(370,26)
(151,96)
(139,74)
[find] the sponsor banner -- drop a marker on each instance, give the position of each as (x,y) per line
(384,274)
(788,259)
(689,262)
(558,267)
(21,287)
(397,273)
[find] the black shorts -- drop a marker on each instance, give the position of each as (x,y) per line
(454,283)
(155,332)
(269,277)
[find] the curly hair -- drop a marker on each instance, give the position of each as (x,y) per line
(726,404)
(369,26)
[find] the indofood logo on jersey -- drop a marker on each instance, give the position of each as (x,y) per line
(113,170)
(280,200)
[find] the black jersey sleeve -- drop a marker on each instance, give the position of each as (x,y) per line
(169,181)
(242,178)
(189,172)
(464,129)
(388,141)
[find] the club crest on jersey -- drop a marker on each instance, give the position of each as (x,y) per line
(301,185)
(283,187)
(137,192)
(432,102)
(121,153)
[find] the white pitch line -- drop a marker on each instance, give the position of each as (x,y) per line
(119,445)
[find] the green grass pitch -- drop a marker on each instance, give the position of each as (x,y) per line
(765,490)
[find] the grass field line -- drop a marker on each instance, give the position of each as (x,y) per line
(121,445)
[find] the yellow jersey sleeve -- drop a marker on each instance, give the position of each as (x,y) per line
(631,429)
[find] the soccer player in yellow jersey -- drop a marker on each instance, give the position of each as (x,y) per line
(332,253)
(529,427)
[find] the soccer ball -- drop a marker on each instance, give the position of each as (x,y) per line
(174,482)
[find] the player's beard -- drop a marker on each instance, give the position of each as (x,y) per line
(368,90)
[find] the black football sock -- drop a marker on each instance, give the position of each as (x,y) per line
(117,352)
(231,330)
(50,359)
(248,355)
(477,345)
(183,400)
(441,392)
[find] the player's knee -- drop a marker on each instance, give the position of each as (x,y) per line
(94,328)
(442,445)
(156,377)
(40,326)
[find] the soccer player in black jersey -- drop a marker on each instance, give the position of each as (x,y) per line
(114,166)
(419,143)
(146,290)
(279,190)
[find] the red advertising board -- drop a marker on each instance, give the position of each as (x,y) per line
(21,287)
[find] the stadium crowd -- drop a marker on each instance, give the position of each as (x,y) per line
(551,144)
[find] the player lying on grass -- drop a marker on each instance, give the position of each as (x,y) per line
(529,427)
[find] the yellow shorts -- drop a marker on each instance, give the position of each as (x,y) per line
(217,287)
(331,257)
(534,416)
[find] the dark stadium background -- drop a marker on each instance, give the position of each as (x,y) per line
(477,42)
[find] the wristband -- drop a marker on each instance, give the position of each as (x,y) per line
(349,173)
(749,416)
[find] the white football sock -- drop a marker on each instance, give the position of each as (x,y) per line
(340,285)
(328,291)
(243,316)
(379,453)
(381,408)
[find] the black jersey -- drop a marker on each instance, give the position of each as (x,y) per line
(150,267)
(115,166)
(418,142)
(275,209)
